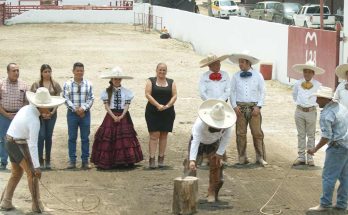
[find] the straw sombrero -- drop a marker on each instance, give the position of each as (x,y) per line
(308,65)
(235,58)
(325,92)
(211,59)
(42,98)
(217,114)
(341,71)
(115,72)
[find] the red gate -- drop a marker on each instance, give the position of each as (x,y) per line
(320,46)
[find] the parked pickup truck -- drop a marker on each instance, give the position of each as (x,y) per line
(309,17)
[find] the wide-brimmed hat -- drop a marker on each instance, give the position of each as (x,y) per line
(211,59)
(308,65)
(235,58)
(341,71)
(115,72)
(217,114)
(42,98)
(325,92)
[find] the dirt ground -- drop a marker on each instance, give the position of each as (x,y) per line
(140,190)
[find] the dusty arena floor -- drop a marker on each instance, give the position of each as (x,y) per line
(139,190)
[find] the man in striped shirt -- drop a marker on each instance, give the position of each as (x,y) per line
(79,100)
(12,98)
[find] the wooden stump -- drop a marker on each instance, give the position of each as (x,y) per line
(185,195)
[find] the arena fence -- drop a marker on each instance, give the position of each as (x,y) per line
(8,11)
(147,22)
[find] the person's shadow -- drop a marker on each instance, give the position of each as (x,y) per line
(203,204)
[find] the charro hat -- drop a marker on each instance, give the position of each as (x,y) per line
(211,59)
(42,98)
(115,72)
(341,71)
(244,55)
(217,114)
(308,65)
(325,92)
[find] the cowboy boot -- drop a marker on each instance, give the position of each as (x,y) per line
(7,194)
(152,163)
(160,161)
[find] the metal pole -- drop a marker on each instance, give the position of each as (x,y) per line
(321,14)
(209,8)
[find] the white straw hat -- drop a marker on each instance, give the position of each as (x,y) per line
(341,71)
(211,59)
(244,55)
(115,72)
(217,114)
(42,98)
(325,92)
(308,65)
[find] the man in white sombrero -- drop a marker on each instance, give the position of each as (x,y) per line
(306,109)
(211,133)
(334,132)
(341,93)
(21,144)
(213,84)
(247,98)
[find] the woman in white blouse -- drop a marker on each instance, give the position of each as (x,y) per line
(341,94)
(115,141)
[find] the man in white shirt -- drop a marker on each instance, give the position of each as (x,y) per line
(341,93)
(306,109)
(21,145)
(211,133)
(247,98)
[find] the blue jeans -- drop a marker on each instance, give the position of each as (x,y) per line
(45,136)
(335,168)
(4,125)
(74,122)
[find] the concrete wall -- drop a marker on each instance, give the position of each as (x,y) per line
(265,40)
(78,16)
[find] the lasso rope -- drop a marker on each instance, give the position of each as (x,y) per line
(275,192)
(85,209)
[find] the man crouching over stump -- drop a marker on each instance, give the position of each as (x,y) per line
(21,145)
(211,134)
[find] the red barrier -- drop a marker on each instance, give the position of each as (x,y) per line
(320,46)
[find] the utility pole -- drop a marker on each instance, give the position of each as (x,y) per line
(321,14)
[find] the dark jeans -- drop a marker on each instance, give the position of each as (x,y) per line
(74,122)
(45,136)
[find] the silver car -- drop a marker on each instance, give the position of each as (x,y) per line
(263,10)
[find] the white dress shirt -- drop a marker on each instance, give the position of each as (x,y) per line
(201,134)
(26,125)
(303,97)
(341,94)
(248,89)
(126,97)
(210,89)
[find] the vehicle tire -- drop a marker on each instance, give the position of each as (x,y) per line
(274,19)
(260,18)
(305,25)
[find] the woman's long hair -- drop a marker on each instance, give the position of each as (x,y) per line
(109,91)
(44,67)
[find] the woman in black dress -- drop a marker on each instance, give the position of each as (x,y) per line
(161,95)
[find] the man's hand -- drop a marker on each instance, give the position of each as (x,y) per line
(312,151)
(81,112)
(37,173)
(256,111)
(218,160)
(192,166)
(237,110)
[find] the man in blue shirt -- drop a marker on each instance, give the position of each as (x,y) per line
(334,132)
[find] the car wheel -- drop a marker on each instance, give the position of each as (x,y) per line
(260,18)
(305,25)
(273,19)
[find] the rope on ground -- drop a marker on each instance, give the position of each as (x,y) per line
(85,209)
(275,192)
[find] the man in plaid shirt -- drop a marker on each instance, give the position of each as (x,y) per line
(12,98)
(79,100)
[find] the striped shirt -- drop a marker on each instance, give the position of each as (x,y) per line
(12,95)
(78,94)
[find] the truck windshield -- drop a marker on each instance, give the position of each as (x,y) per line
(227,3)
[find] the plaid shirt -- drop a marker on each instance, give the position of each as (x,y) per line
(78,94)
(12,95)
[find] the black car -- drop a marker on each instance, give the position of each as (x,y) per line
(283,12)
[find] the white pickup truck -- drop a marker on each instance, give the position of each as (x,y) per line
(309,17)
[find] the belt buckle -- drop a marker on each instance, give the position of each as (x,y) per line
(306,109)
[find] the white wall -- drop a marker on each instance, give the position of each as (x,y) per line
(265,40)
(78,16)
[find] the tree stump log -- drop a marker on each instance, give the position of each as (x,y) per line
(185,195)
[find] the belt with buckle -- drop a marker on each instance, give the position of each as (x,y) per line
(307,109)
